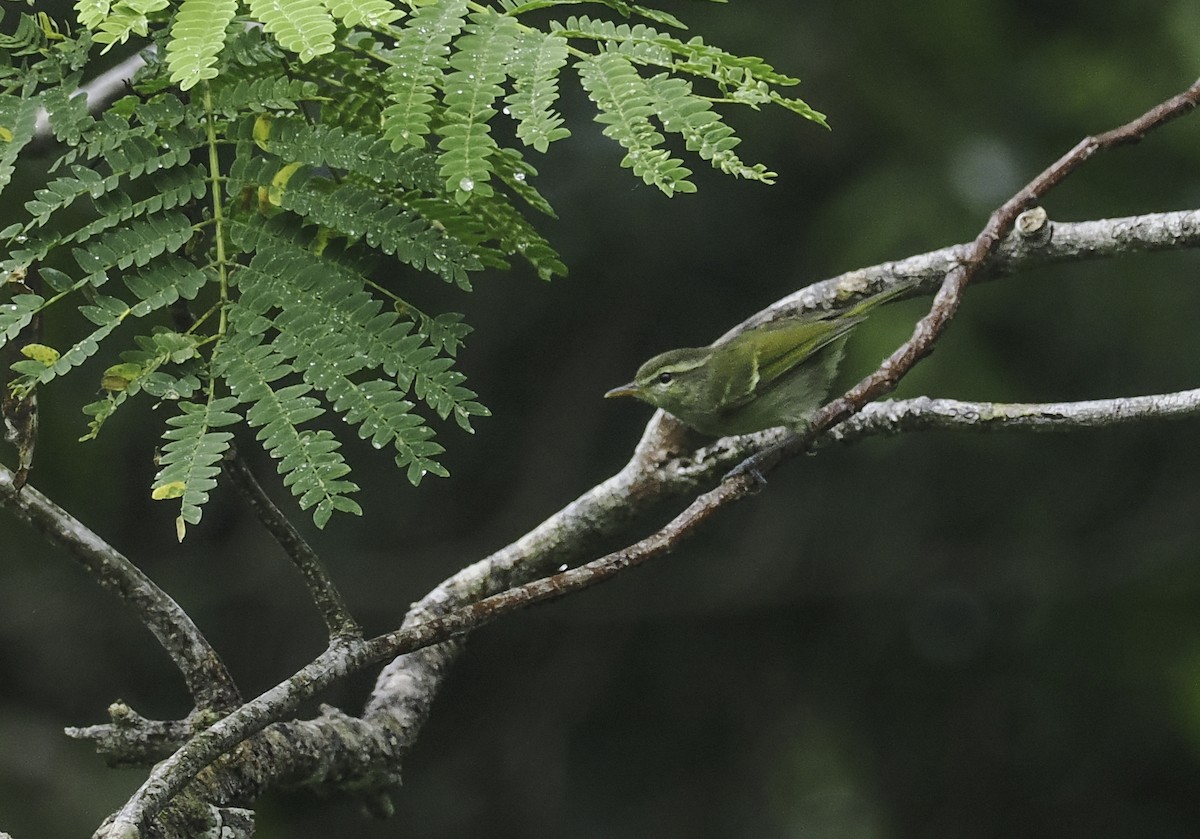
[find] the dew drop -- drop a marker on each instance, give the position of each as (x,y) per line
(466,184)
(518,176)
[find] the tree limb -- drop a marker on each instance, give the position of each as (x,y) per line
(666,464)
(1049,243)
(925,414)
(321,588)
(207,680)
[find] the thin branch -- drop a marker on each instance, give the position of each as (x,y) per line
(321,588)
(131,739)
(1050,242)
(100,91)
(207,680)
(925,414)
(945,304)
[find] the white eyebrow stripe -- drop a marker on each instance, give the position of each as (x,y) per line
(683,366)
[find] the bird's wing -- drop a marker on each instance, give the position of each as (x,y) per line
(762,355)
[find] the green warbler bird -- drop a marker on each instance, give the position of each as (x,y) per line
(767,376)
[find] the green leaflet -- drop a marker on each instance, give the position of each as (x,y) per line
(235,96)
(418,58)
(304,27)
(16,314)
(156,286)
(113,23)
(537,59)
(313,468)
(331,329)
(624,100)
(371,13)
(142,369)
(197,37)
(190,457)
(470,91)
(702,129)
(362,213)
(17,119)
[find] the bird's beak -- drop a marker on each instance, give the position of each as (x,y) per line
(630,389)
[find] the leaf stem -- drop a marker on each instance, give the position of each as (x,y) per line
(214,177)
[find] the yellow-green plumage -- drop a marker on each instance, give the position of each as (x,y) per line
(772,375)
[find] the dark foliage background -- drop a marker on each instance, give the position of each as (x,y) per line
(933,636)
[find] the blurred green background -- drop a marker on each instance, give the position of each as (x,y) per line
(937,636)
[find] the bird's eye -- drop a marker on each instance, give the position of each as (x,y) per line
(664,378)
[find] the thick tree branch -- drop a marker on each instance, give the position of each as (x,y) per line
(406,687)
(207,679)
(665,465)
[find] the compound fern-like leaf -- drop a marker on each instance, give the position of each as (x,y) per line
(113,24)
(704,133)
(18,117)
(156,286)
(370,13)
(362,213)
(17,314)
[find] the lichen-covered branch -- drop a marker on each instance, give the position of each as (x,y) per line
(207,680)
(925,414)
(1046,242)
(667,464)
